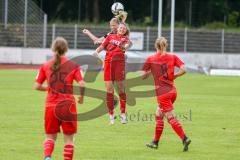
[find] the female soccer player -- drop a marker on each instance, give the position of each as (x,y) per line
(114,68)
(161,66)
(114,22)
(60,111)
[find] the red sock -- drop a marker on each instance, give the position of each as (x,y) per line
(68,151)
(110,103)
(159,127)
(177,127)
(122,100)
(48,146)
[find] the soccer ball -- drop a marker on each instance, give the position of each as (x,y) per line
(116,7)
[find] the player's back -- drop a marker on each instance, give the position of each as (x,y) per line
(162,68)
(60,82)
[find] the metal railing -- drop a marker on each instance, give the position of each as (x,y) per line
(185,40)
(23,21)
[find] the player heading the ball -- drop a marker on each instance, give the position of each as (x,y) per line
(114,68)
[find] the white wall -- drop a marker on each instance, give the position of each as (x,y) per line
(39,56)
(10,55)
(211,60)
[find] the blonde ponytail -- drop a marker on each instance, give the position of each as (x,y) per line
(161,44)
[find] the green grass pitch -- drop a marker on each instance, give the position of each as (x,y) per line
(208,108)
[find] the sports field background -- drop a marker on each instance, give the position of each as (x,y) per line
(214,129)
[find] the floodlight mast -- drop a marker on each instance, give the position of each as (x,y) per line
(159,18)
(172,22)
(172,26)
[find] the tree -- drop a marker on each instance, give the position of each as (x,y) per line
(96,12)
(203,12)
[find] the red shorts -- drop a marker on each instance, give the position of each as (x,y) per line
(166,101)
(62,115)
(114,71)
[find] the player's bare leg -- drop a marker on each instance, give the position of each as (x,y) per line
(110,100)
(122,100)
(49,145)
(177,127)
(68,147)
(158,129)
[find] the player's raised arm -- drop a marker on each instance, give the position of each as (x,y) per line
(122,16)
(92,36)
(99,40)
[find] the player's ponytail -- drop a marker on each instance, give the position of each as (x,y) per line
(161,44)
(57,61)
(122,16)
(128,29)
(59,47)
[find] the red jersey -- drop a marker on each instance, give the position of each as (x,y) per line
(162,69)
(59,82)
(112,44)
